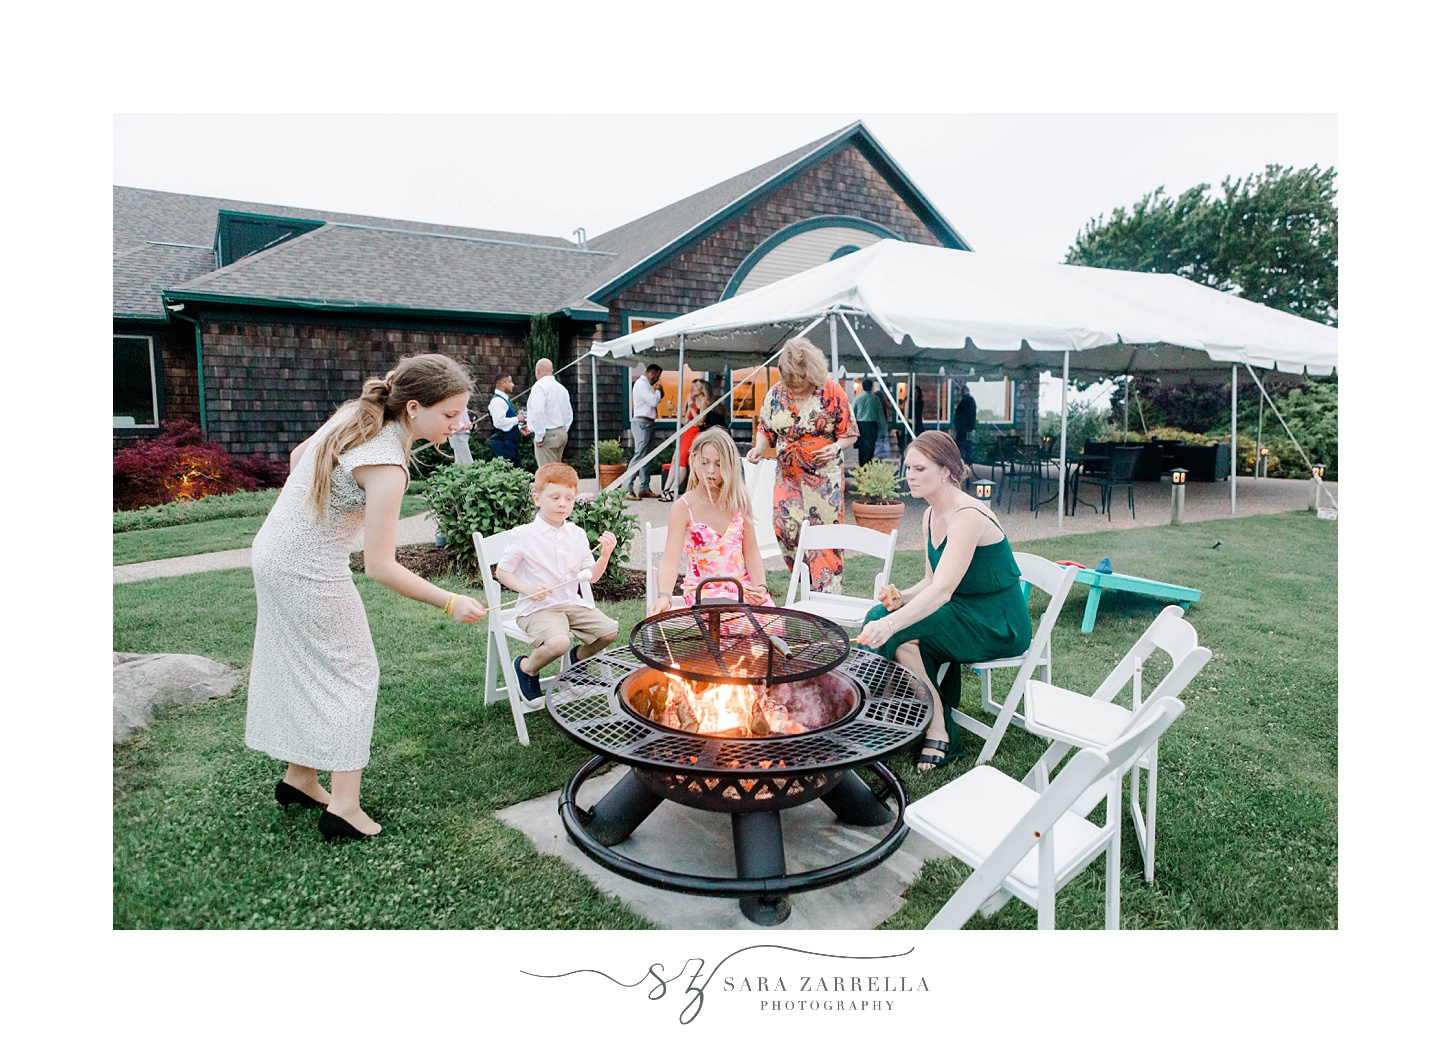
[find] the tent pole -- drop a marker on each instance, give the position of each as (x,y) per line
(834,361)
(883,381)
(679,418)
(1126,409)
(1260,439)
(674,439)
(594,390)
(1233,432)
(1063,443)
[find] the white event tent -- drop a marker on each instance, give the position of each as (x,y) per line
(925,307)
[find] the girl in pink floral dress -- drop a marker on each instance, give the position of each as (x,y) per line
(711,528)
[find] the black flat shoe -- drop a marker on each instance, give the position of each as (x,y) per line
(334,827)
(289,795)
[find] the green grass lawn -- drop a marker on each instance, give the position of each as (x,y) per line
(1247,798)
(203,537)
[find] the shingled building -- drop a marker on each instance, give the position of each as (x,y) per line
(257,320)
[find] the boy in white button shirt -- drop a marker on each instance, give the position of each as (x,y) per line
(542,563)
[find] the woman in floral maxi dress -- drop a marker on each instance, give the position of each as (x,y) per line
(807,419)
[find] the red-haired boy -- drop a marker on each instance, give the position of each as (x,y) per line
(543,562)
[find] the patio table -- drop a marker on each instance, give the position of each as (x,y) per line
(1098,582)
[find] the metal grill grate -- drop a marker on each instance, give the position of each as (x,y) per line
(585,703)
(733,643)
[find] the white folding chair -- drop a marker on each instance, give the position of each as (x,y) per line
(502,626)
(1071,719)
(654,546)
(1056,581)
(840,608)
(1026,844)
(761,485)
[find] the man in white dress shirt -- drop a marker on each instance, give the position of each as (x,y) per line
(644,397)
(549,414)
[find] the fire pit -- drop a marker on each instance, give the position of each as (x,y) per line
(744,711)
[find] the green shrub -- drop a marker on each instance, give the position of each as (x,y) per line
(611,452)
(876,481)
(208,508)
(602,513)
(487,496)
(1085,424)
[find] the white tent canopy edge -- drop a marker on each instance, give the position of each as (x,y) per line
(907,303)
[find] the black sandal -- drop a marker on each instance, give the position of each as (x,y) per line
(925,762)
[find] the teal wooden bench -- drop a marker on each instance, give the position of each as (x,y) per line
(1098,582)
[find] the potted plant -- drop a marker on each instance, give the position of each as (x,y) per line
(875,502)
(612,461)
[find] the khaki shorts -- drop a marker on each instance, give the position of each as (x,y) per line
(587,624)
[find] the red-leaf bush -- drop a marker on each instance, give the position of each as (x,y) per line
(178,465)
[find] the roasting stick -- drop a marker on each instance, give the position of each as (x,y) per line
(581,576)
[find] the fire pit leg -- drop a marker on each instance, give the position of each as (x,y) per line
(855,803)
(761,854)
(621,810)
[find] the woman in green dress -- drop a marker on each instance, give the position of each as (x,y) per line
(968,607)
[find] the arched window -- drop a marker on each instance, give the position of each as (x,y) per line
(804,245)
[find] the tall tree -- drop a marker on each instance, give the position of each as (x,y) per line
(1272,237)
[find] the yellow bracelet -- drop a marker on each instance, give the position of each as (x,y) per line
(448,608)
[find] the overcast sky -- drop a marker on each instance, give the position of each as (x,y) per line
(1013,185)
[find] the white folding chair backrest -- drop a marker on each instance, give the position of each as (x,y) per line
(655,546)
(1056,581)
(761,487)
(1170,632)
(844,609)
(1088,769)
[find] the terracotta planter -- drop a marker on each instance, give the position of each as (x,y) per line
(610,472)
(883,517)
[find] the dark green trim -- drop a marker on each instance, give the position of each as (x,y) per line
(227,220)
(791,231)
(598,313)
(337,307)
(854,134)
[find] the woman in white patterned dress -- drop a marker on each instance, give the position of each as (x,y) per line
(314,681)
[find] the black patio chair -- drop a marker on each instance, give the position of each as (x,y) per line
(1122,459)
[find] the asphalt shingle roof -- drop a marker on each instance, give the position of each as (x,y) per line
(356,261)
(141,215)
(349,266)
(142,272)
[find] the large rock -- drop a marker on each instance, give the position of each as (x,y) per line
(143,687)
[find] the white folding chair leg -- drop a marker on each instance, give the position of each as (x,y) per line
(1114,856)
(511,685)
(1145,818)
(1047,883)
(1005,718)
(976,893)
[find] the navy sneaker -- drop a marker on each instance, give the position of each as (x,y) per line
(528,686)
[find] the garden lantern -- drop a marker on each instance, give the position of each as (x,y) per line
(1178,477)
(1262,465)
(984,489)
(1317,473)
